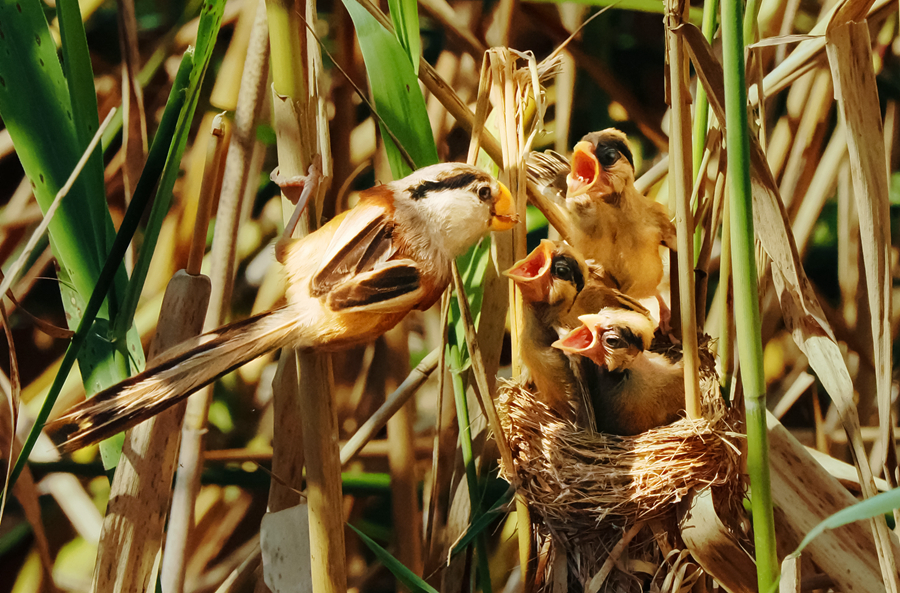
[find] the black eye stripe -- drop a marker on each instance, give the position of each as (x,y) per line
(457,181)
(604,139)
(617,145)
(572,266)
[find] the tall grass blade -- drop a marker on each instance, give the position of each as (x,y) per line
(210,21)
(39,115)
(76,62)
(126,231)
(405,16)
(396,91)
(877,506)
(409,579)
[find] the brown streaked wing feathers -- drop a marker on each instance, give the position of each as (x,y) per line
(391,287)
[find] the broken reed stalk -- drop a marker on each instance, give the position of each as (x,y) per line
(746,295)
(300,137)
(142,486)
(680,181)
(221,275)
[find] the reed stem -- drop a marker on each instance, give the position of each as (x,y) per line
(746,295)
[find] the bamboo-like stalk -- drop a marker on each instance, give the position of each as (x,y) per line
(680,181)
(187,480)
(746,294)
(141,489)
(301,135)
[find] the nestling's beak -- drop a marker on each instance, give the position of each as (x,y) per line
(503,211)
(585,169)
(532,274)
(583,341)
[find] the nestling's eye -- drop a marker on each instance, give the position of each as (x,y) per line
(484,193)
(563,271)
(607,156)
(613,340)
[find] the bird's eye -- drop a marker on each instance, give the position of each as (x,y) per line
(613,341)
(562,271)
(607,156)
(484,193)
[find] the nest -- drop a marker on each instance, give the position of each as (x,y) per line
(586,490)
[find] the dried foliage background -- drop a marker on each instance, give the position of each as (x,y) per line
(398,490)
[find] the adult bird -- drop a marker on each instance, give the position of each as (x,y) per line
(347,283)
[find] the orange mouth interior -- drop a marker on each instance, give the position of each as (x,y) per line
(530,267)
(577,340)
(584,167)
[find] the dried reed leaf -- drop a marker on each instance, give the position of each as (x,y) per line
(713,544)
(849,52)
(804,494)
(790,575)
(134,130)
(807,53)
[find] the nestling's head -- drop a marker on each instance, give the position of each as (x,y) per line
(602,165)
(452,205)
(612,338)
(553,273)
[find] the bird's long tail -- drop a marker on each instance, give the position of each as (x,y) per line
(181,372)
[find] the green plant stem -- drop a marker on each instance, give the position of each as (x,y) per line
(726,336)
(465,441)
(751,18)
(701,116)
(746,296)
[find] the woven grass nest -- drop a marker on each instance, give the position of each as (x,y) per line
(585,490)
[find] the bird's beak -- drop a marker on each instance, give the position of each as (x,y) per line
(585,169)
(503,211)
(583,341)
(532,274)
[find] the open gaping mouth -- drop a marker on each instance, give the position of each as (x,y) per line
(585,169)
(532,274)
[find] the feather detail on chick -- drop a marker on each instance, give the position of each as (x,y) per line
(631,389)
(610,222)
(557,286)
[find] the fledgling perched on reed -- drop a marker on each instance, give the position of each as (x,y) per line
(609,221)
(347,283)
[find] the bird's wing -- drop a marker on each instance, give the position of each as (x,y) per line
(391,287)
(666,227)
(548,171)
(362,242)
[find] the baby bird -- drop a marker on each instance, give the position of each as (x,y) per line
(557,286)
(610,222)
(632,390)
